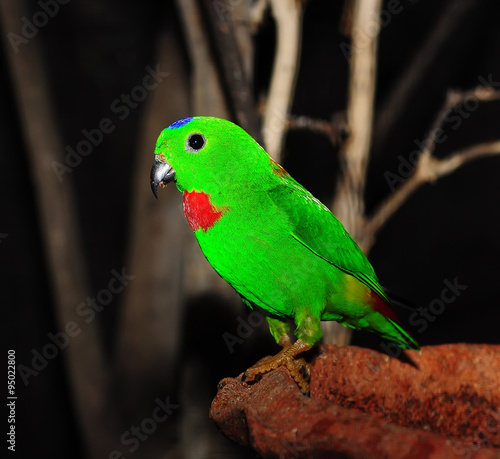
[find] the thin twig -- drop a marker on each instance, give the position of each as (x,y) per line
(331,129)
(454,98)
(450,164)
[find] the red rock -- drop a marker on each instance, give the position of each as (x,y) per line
(442,402)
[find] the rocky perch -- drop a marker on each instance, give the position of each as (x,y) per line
(441,402)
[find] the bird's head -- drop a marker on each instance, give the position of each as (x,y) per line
(206,153)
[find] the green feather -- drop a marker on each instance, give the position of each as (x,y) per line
(314,226)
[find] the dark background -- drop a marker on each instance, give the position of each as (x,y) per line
(96,51)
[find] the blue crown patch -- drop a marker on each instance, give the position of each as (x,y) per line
(180,123)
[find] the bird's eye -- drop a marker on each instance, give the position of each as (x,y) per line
(195,142)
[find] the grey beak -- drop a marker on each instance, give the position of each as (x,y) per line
(161,173)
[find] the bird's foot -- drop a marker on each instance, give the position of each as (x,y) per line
(298,368)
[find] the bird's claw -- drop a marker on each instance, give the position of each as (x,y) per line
(298,368)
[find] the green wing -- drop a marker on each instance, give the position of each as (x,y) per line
(314,226)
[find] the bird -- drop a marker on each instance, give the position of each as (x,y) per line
(278,246)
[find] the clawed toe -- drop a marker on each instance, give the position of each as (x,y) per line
(298,368)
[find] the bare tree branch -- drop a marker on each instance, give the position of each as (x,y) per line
(454,98)
(61,233)
(288,16)
(348,203)
(429,168)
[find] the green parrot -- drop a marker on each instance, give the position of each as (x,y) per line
(278,246)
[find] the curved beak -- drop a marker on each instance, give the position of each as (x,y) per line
(161,174)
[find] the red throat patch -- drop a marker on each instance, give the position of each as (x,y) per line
(200,212)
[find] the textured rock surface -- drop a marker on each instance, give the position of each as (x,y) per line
(442,402)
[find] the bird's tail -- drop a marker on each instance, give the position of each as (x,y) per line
(407,341)
(399,333)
